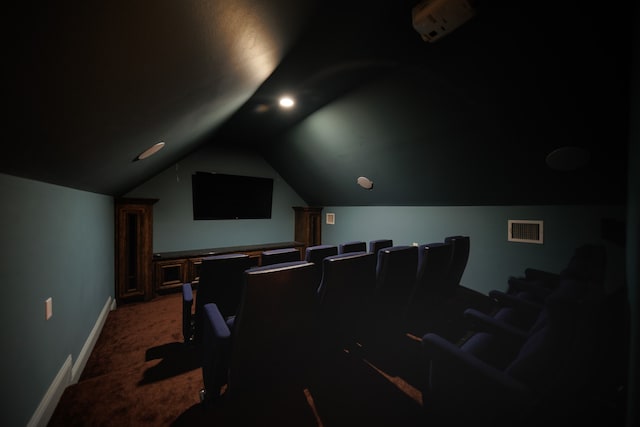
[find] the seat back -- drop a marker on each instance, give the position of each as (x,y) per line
(354,246)
(460,256)
(271,334)
(551,367)
(434,263)
(396,268)
(316,254)
(347,283)
(587,263)
(396,277)
(276,256)
(221,278)
(376,245)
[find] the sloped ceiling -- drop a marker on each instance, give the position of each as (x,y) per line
(98,82)
(466,120)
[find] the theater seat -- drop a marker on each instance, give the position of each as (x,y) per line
(434,264)
(267,346)
(354,246)
(396,268)
(525,296)
(376,245)
(588,263)
(316,255)
(220,282)
(459,258)
(345,292)
(276,256)
(543,379)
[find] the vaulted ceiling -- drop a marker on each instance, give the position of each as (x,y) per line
(469,119)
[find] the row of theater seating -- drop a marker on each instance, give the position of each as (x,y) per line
(537,359)
(406,275)
(251,319)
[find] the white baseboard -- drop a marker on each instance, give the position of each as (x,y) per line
(70,372)
(45,409)
(87,348)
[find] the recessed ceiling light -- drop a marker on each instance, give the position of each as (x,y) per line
(261,108)
(151,151)
(286,102)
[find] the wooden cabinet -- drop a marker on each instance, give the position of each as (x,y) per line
(308,225)
(134,249)
(171,274)
(172,269)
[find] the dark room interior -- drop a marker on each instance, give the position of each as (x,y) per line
(510,110)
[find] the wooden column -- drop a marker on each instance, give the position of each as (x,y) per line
(308,226)
(134,249)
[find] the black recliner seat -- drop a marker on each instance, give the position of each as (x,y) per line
(511,377)
(276,256)
(460,256)
(316,254)
(376,245)
(432,281)
(344,295)
(220,282)
(396,268)
(525,296)
(266,348)
(353,246)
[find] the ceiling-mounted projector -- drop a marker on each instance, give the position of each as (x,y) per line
(434,19)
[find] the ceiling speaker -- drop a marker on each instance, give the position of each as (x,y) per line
(568,158)
(365,182)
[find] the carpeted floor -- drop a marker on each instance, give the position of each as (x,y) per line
(141,374)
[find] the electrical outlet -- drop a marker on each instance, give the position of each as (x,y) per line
(48,308)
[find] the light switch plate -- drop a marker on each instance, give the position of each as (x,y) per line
(330,218)
(48,308)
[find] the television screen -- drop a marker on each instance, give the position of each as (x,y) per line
(222,196)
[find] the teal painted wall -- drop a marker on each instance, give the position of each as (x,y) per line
(492,258)
(174,228)
(59,243)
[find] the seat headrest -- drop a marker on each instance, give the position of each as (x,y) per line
(277,267)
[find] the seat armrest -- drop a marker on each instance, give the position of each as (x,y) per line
(216,322)
(187,312)
(506,300)
(216,349)
(480,321)
(539,288)
(546,276)
(187,293)
(471,373)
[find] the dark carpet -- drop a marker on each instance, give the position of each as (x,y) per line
(141,374)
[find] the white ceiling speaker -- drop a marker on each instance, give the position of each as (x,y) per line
(150,151)
(567,158)
(365,182)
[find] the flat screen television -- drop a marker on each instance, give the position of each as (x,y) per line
(222,196)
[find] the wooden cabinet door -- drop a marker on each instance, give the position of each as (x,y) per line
(134,246)
(308,226)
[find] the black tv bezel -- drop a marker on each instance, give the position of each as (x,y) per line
(220,196)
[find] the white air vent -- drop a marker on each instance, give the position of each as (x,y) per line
(526,231)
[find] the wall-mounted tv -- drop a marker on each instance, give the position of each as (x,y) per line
(222,196)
